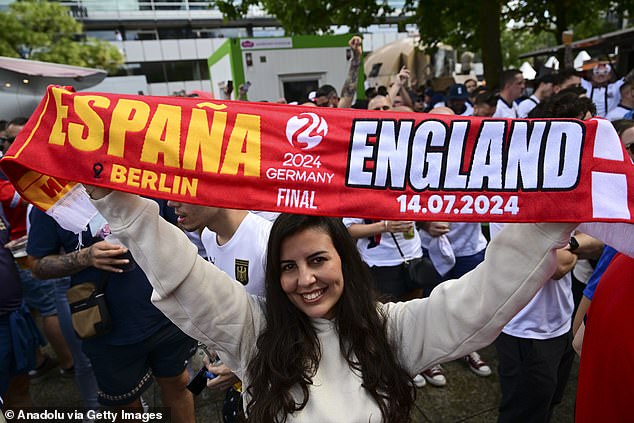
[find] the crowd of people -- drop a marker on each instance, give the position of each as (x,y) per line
(316,319)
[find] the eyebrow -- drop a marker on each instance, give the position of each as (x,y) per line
(317,253)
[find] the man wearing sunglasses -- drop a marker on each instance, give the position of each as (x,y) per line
(326,95)
(601,90)
(380,102)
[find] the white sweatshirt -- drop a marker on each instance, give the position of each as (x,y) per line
(460,316)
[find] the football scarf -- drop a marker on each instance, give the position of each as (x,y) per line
(336,162)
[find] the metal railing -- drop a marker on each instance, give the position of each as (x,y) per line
(161,10)
(149,9)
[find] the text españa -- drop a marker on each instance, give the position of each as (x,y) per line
(88,122)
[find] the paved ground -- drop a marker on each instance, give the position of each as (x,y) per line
(466,398)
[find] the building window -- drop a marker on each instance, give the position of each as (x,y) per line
(180,70)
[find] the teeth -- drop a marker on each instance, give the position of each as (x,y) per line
(311,296)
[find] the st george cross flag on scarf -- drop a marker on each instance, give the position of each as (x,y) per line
(370,164)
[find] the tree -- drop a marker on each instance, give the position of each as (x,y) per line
(544,22)
(557,16)
(479,25)
(468,25)
(452,21)
(312,16)
(42,30)
(516,44)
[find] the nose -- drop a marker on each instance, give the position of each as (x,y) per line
(306,276)
(174,204)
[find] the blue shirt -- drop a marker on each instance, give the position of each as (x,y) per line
(134,317)
(599,270)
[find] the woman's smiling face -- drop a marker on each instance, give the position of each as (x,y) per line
(311,273)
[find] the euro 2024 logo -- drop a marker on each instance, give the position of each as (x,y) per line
(306,130)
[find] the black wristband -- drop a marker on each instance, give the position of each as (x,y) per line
(573,244)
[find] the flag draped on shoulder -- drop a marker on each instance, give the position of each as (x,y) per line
(357,163)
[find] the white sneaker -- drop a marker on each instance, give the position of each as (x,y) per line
(419,381)
(477,365)
(435,375)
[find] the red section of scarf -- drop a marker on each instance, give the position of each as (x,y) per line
(336,162)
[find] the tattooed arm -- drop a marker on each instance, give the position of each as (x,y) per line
(400,88)
(102,255)
(350,85)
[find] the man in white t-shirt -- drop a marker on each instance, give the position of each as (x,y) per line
(513,84)
(236,242)
(267,215)
(626,104)
(384,245)
(535,348)
(243,254)
(543,90)
(484,104)
(377,244)
(605,94)
(455,249)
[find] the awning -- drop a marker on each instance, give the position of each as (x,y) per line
(42,74)
(23,83)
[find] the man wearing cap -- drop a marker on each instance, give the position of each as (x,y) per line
(605,95)
(457,100)
(543,90)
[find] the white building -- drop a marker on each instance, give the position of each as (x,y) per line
(170,41)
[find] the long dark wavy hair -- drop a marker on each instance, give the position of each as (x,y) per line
(288,351)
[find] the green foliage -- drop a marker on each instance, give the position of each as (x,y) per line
(592,27)
(525,25)
(101,54)
(312,16)
(516,42)
(463,24)
(539,24)
(42,30)
(555,16)
(454,22)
